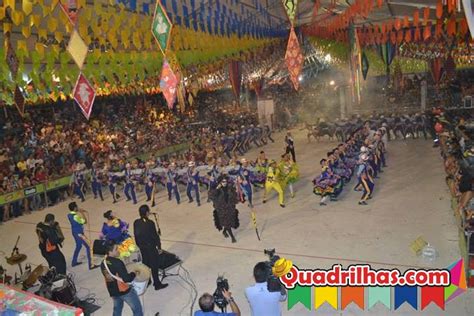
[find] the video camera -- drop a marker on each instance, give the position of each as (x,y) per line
(219,299)
(273,284)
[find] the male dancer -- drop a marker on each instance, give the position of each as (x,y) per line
(193,183)
(96,181)
(77,217)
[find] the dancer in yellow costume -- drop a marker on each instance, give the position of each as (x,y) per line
(289,172)
(274,182)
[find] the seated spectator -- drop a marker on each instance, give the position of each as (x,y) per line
(263,302)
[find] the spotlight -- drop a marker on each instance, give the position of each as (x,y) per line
(332,82)
(300,78)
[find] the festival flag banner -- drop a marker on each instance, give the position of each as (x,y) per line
(235,76)
(69,7)
(408,294)
(379,294)
(433,294)
(19,101)
(11,58)
(161,27)
(300,294)
(168,84)
(352,295)
(325,294)
(84,95)
(458,281)
(291,7)
(294,59)
(77,48)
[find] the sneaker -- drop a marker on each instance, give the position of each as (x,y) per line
(292,195)
(264,201)
(282,205)
(190,201)
(93,267)
(362,203)
(76,264)
(322,204)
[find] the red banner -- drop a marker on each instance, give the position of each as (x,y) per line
(168,84)
(432,294)
(294,59)
(235,76)
(84,95)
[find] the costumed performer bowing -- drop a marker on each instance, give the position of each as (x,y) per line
(289,172)
(274,182)
(224,198)
(115,230)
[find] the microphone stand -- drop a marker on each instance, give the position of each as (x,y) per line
(157,223)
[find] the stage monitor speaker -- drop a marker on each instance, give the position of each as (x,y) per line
(99,248)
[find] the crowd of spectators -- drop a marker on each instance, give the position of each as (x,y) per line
(53,139)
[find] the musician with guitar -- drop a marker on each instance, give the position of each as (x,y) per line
(50,239)
(78,218)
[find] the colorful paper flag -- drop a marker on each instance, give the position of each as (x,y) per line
(407,294)
(325,294)
(84,95)
(294,59)
(379,294)
(69,7)
(77,48)
(299,294)
(235,76)
(19,101)
(458,281)
(291,8)
(352,295)
(168,84)
(161,27)
(433,294)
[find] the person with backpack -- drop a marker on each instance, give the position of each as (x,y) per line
(50,239)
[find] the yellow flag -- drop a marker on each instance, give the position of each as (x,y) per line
(52,24)
(27,6)
(43,33)
(2,13)
(7,27)
(40,49)
(10,3)
(26,31)
(21,47)
(58,36)
(46,10)
(35,20)
(81,3)
(56,49)
(17,17)
(325,294)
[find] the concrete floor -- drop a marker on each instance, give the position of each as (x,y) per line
(411,199)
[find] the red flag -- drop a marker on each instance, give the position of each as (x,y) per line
(432,294)
(294,59)
(84,95)
(168,84)
(235,76)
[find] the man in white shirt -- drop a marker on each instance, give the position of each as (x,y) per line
(262,302)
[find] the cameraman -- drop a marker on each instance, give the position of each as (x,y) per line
(206,303)
(263,302)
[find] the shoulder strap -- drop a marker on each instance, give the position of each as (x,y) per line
(108,270)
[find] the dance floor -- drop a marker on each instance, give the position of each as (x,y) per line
(411,200)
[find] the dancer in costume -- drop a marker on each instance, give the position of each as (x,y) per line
(244,172)
(78,181)
(289,172)
(328,185)
(274,182)
(116,230)
(224,199)
(77,218)
(96,181)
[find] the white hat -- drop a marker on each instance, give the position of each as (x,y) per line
(243,160)
(364,157)
(127,165)
(364,149)
(191,164)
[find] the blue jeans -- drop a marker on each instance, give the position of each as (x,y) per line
(79,243)
(132,300)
